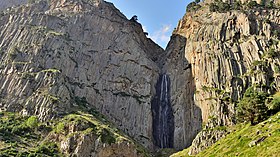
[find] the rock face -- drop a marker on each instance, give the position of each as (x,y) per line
(78,138)
(163,119)
(226,53)
(62,56)
(187,115)
(69,55)
(9,3)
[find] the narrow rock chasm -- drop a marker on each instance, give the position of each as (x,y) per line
(163,119)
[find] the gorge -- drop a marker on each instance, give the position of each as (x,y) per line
(86,81)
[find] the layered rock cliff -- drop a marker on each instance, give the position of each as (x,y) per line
(11,3)
(227,53)
(62,56)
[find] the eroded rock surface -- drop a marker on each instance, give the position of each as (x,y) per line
(11,3)
(228,52)
(61,56)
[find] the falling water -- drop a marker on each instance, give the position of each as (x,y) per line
(163,121)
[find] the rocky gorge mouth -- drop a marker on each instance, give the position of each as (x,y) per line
(163,118)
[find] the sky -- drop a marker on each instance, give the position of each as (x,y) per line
(157,17)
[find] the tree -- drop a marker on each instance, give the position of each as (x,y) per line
(263,3)
(197,1)
(190,6)
(223,7)
(274,105)
(237,5)
(252,107)
(270,5)
(252,4)
(134,18)
(213,7)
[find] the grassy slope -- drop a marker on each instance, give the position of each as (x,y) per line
(20,136)
(237,142)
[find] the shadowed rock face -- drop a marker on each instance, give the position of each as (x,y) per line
(163,119)
(9,3)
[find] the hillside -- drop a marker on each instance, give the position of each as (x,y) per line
(76,134)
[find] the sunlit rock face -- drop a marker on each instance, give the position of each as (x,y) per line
(63,56)
(227,53)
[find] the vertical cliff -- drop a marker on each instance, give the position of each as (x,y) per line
(187,114)
(226,52)
(63,56)
(163,118)
(11,3)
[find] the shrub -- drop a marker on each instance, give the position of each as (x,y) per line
(223,7)
(47,148)
(237,5)
(20,129)
(252,107)
(274,105)
(220,7)
(213,7)
(60,127)
(252,4)
(32,122)
(277,69)
(263,2)
(192,6)
(271,53)
(270,5)
(276,33)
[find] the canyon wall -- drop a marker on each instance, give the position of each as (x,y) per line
(227,53)
(59,57)
(63,56)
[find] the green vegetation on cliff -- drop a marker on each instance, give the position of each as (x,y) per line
(26,136)
(260,140)
(23,136)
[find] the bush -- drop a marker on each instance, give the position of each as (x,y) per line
(20,129)
(252,4)
(47,148)
(220,7)
(272,53)
(192,7)
(274,105)
(223,7)
(276,33)
(60,127)
(32,122)
(213,7)
(252,107)
(237,5)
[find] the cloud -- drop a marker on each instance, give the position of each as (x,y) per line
(162,36)
(145,29)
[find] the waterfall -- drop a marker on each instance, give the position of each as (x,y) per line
(163,120)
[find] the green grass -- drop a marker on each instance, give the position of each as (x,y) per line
(19,136)
(27,136)
(237,142)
